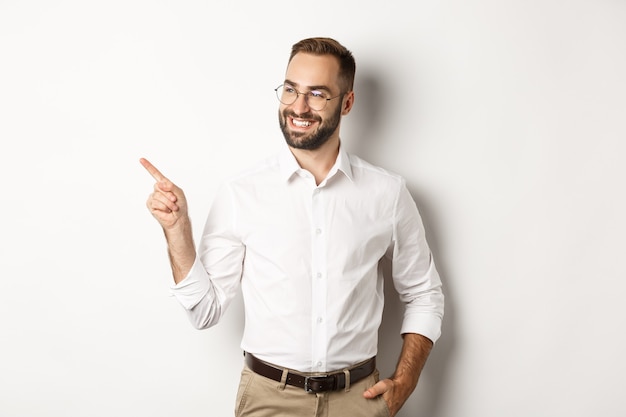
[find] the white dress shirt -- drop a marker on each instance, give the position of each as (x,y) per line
(306,259)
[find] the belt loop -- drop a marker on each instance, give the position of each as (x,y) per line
(283,379)
(346,372)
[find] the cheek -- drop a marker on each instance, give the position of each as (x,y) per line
(282,118)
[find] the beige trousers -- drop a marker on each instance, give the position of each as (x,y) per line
(262,397)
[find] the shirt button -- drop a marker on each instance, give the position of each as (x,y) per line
(319,364)
(319,319)
(318,231)
(319,275)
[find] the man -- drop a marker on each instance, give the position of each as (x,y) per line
(301,235)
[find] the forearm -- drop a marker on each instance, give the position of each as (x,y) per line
(397,389)
(415,351)
(181,248)
(168,205)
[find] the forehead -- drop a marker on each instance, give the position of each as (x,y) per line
(313,70)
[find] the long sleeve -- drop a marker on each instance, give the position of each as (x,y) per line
(415,276)
(215,276)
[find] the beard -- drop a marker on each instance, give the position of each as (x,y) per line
(309,140)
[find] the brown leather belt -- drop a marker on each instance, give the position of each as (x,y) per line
(315,383)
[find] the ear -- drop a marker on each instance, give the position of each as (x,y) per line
(348,102)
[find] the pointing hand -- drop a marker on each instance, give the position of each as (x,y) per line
(167,203)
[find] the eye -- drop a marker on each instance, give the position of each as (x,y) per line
(289,89)
(317,94)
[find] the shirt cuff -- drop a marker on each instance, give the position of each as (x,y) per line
(193,287)
(428,325)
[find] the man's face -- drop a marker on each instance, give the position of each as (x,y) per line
(303,127)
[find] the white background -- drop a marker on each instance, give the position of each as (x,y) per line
(507,119)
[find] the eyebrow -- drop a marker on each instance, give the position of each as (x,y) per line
(310,87)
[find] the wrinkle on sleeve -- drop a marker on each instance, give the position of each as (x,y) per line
(414,272)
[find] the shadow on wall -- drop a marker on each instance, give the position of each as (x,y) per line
(427,398)
(429,395)
(367,115)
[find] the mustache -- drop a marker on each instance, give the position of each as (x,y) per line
(307,115)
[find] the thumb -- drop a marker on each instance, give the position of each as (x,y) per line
(379,388)
(169,187)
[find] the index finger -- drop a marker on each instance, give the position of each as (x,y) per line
(156,174)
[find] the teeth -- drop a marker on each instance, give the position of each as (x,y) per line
(301,123)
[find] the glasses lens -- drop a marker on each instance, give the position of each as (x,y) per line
(286,94)
(316,99)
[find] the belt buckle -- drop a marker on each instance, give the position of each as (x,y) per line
(320,381)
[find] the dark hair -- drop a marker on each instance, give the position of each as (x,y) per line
(328,46)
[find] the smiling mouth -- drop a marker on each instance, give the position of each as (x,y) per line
(301,123)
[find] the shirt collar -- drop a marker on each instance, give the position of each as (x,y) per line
(287,162)
(343,164)
(289,165)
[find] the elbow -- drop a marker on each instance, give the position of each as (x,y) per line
(202,318)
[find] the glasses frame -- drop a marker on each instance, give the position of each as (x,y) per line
(306,97)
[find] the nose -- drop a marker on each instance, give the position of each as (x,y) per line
(301,105)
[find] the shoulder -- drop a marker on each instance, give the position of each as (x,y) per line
(363,170)
(262,168)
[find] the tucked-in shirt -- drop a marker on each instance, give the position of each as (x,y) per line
(306,258)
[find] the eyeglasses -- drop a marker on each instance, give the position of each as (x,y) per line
(315,99)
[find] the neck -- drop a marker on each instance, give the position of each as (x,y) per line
(318,161)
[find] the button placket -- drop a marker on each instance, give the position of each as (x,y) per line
(318,286)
